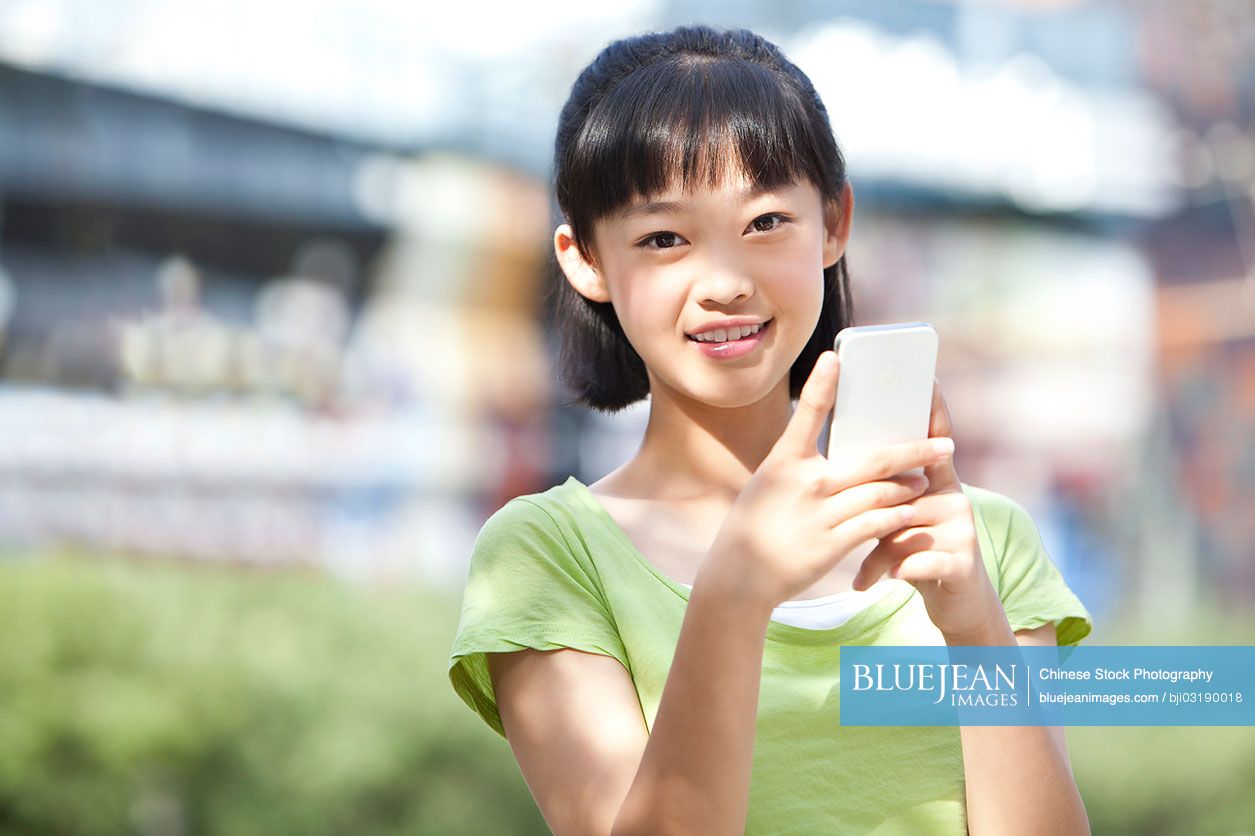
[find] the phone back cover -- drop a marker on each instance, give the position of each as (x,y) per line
(885,388)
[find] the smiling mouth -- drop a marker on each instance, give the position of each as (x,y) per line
(757,333)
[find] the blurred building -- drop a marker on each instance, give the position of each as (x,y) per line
(237,341)
(289,311)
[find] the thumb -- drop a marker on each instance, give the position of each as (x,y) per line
(801,435)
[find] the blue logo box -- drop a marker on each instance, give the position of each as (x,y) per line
(1047,686)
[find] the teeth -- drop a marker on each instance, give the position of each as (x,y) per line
(722,335)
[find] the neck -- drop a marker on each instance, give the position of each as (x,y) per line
(692,450)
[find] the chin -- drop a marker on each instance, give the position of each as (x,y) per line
(728,396)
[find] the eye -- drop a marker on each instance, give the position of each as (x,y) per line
(768,222)
(662,241)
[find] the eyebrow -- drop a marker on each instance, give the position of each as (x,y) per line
(657,207)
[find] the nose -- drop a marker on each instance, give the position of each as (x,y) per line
(722,281)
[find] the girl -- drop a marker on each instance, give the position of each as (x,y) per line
(661,647)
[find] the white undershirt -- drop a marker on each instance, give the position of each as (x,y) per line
(831,610)
(826,612)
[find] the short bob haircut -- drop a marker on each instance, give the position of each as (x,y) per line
(672,107)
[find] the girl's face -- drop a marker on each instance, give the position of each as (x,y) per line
(676,264)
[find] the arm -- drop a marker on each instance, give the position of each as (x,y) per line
(1018,778)
(574,723)
(790,523)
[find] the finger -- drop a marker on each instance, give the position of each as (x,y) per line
(941,474)
(939,421)
(842,505)
(801,435)
(931,509)
(930,566)
(871,525)
(892,549)
(891,460)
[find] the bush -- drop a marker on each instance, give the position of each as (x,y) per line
(1163,781)
(159,698)
(164,699)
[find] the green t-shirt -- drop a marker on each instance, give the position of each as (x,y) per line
(553,569)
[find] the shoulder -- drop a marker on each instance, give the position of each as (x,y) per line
(544,510)
(1030,585)
(1002,524)
(556,511)
(521,513)
(997,510)
(998,517)
(543,524)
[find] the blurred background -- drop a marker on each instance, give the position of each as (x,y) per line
(272,348)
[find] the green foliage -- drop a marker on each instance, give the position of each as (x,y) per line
(164,699)
(1163,781)
(157,698)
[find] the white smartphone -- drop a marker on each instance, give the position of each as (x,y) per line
(885,387)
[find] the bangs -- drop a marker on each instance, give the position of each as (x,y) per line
(673,111)
(690,121)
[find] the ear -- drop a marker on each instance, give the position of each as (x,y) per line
(837,218)
(582,275)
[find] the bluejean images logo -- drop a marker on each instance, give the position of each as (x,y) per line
(963,685)
(1047,686)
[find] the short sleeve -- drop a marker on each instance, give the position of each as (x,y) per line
(526,587)
(1032,590)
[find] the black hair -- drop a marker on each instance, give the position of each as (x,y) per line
(663,105)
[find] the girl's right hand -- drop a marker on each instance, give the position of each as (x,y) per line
(800,514)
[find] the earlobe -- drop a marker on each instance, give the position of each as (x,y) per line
(837,218)
(584,277)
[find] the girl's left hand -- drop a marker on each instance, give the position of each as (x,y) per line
(939,552)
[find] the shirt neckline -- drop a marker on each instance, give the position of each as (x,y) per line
(825,600)
(875,613)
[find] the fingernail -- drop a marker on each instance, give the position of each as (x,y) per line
(943,446)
